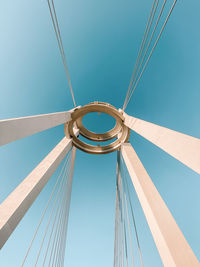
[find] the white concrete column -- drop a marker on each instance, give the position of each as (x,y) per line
(183,147)
(19,201)
(17,128)
(171,244)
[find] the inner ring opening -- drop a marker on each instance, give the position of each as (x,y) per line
(108,135)
(98,122)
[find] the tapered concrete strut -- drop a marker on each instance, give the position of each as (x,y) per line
(17,128)
(19,201)
(182,147)
(171,244)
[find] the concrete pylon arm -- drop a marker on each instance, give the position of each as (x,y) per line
(19,201)
(171,244)
(183,147)
(17,128)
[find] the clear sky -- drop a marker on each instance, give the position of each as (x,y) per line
(101,41)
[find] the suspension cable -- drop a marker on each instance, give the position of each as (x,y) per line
(60,45)
(55,240)
(133,216)
(45,209)
(122,214)
(65,224)
(70,191)
(152,50)
(57,216)
(62,223)
(58,242)
(124,224)
(118,231)
(121,252)
(59,194)
(123,190)
(129,230)
(146,50)
(145,36)
(115,241)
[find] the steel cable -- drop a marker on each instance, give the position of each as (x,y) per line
(146,50)
(128,220)
(57,216)
(121,216)
(60,45)
(51,214)
(133,216)
(45,209)
(70,191)
(115,241)
(145,36)
(63,219)
(58,232)
(55,240)
(61,231)
(59,260)
(129,229)
(152,50)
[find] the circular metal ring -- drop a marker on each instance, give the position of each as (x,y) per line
(98,136)
(120,130)
(103,108)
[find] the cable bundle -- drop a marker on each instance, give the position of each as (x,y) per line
(53,238)
(139,66)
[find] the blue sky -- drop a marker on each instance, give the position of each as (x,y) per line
(101,41)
